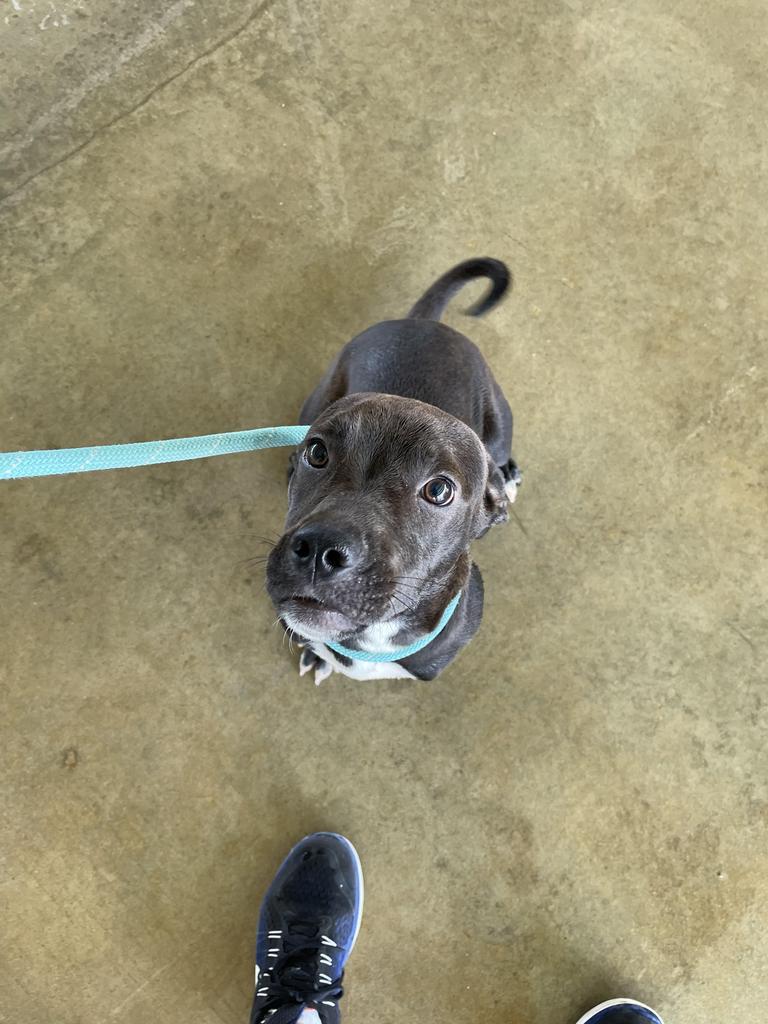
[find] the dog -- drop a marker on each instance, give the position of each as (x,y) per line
(408,459)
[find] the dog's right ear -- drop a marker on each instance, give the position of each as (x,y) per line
(495,504)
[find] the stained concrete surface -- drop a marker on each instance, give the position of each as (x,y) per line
(200,204)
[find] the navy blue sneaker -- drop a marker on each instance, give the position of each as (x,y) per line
(620,1011)
(308,925)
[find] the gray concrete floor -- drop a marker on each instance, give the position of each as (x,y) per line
(200,204)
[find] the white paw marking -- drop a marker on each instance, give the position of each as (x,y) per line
(307,661)
(322,671)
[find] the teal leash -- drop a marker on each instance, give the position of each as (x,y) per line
(20,465)
(57,461)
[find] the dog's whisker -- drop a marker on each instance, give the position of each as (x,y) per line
(412,594)
(409,586)
(250,559)
(409,607)
(255,561)
(398,581)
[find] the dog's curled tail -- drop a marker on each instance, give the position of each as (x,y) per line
(434,300)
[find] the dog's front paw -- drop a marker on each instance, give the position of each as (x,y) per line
(322,670)
(512,479)
(309,661)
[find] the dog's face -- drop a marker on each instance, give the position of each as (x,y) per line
(385,497)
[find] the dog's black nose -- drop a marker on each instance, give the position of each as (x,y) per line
(323,549)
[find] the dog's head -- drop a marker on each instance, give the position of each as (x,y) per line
(385,497)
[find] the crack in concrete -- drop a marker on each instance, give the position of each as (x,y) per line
(17,192)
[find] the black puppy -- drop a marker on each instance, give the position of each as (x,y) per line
(407,461)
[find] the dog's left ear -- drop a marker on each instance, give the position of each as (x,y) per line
(495,504)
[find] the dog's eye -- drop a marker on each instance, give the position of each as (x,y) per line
(316,454)
(439,491)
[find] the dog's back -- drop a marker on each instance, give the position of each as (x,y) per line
(419,357)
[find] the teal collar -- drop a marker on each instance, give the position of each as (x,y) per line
(401,652)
